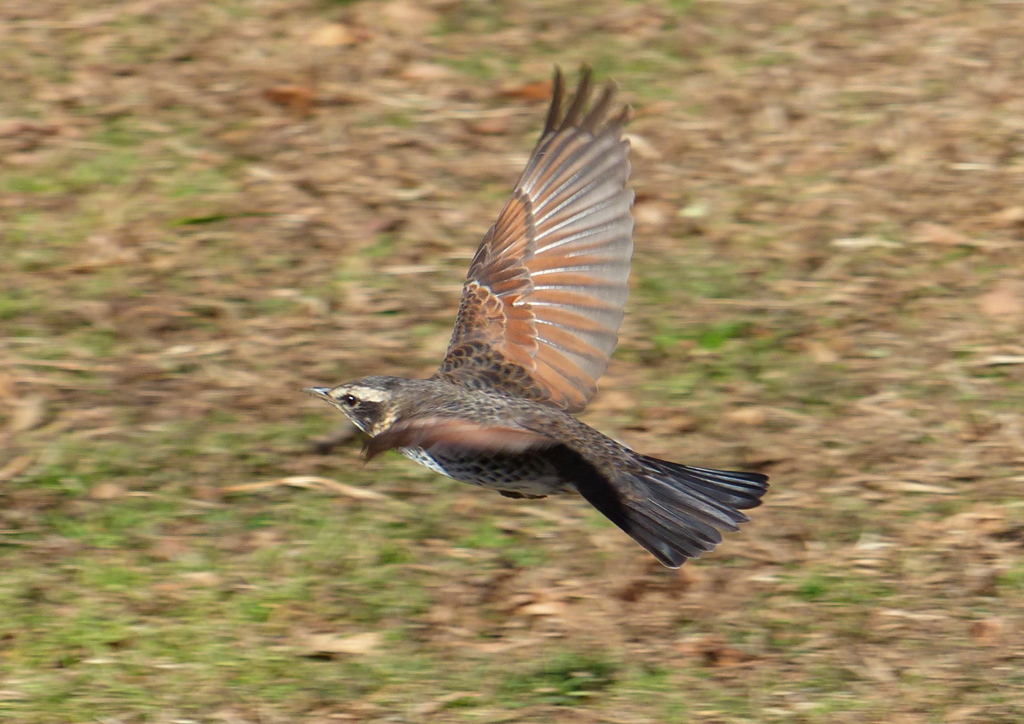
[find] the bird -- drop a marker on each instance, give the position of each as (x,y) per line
(537,323)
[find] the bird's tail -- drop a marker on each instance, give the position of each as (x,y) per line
(676,511)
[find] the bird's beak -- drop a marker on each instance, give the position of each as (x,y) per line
(320,392)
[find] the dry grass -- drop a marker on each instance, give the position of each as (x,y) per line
(205,206)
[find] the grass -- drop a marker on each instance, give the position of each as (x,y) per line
(565,680)
(181,257)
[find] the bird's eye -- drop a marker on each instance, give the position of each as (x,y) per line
(349,400)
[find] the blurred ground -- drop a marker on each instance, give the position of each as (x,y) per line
(205,206)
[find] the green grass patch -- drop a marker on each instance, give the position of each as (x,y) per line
(565,680)
(835,589)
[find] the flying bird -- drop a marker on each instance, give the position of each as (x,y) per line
(537,323)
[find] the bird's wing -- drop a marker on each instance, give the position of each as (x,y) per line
(436,433)
(544,298)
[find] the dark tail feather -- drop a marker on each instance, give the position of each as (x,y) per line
(674,511)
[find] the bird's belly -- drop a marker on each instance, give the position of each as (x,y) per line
(519,473)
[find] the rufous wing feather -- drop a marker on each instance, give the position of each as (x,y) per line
(546,290)
(433,433)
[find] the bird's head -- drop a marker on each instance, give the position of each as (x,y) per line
(370,402)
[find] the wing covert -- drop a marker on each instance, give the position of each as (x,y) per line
(544,297)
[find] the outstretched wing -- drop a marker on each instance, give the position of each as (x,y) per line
(544,297)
